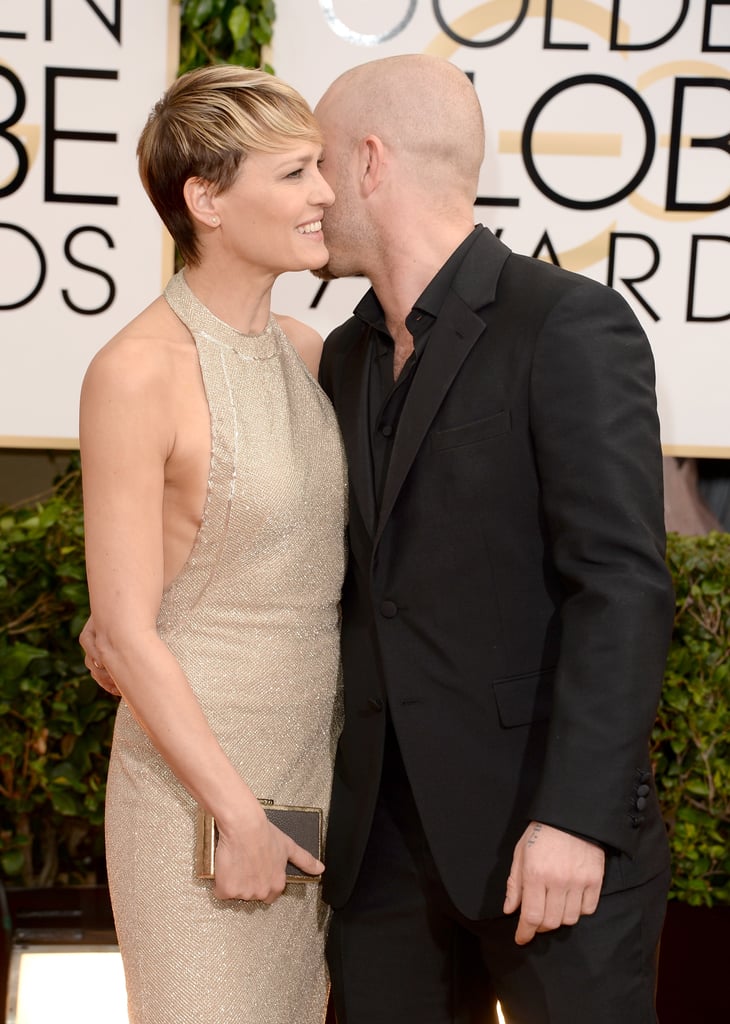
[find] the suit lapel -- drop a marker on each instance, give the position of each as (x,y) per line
(354,418)
(453,336)
(451,340)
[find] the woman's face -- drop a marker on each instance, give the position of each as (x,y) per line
(271,217)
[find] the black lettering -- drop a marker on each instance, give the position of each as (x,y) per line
(445,27)
(492,200)
(694,259)
(22,169)
(547,42)
(545,243)
(496,201)
(52,134)
(542,102)
(318,295)
(115,26)
(654,43)
(707,46)
(631,281)
(41,268)
(721,142)
(75,262)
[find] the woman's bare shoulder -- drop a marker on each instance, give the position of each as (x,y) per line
(305,339)
(147,350)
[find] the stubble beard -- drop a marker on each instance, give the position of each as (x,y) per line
(325,273)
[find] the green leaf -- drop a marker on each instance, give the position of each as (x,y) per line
(12,863)
(196,12)
(261,33)
(65,803)
(64,773)
(17,659)
(239,22)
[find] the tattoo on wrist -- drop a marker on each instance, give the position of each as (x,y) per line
(532,838)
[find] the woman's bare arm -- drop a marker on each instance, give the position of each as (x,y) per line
(128,438)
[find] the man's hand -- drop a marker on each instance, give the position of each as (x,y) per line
(93,661)
(556,878)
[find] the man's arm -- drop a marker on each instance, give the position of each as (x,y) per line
(596,440)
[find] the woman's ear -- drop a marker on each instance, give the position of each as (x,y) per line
(200,200)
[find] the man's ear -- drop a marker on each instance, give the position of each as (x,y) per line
(372,153)
(200,200)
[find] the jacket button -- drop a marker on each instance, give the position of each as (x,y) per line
(643,790)
(388,609)
(640,803)
(376,703)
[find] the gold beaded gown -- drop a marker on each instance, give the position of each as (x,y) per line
(253,620)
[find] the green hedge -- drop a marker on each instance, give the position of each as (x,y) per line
(228,31)
(56,724)
(691,739)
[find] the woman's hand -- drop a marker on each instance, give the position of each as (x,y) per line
(87,639)
(251,864)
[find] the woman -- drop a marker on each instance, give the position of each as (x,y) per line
(214,486)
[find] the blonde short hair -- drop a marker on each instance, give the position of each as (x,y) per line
(204,126)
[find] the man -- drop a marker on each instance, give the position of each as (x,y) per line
(507,609)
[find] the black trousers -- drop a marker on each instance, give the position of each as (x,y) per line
(400,952)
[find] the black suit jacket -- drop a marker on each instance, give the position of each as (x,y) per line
(509,600)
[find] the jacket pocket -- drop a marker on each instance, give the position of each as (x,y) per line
(522,700)
(471,433)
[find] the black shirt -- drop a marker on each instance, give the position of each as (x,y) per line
(386,397)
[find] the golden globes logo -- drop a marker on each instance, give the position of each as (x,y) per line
(689,80)
(662,134)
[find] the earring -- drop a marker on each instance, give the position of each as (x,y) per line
(215,221)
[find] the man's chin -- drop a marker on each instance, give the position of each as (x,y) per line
(324,273)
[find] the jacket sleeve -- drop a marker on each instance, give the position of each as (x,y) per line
(596,441)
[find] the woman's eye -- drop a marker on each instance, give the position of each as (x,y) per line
(295,174)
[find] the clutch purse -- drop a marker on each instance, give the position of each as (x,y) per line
(302,824)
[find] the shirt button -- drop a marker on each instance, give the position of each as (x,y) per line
(388,609)
(386,430)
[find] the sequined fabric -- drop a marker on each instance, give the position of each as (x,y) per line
(253,620)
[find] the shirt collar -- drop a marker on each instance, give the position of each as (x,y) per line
(431,299)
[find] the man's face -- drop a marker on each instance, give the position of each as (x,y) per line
(342,223)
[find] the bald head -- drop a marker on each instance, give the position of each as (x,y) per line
(423,108)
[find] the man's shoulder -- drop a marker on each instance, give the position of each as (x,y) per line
(553,277)
(344,335)
(537,287)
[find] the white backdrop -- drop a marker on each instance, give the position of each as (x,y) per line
(81,247)
(612,161)
(607,159)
